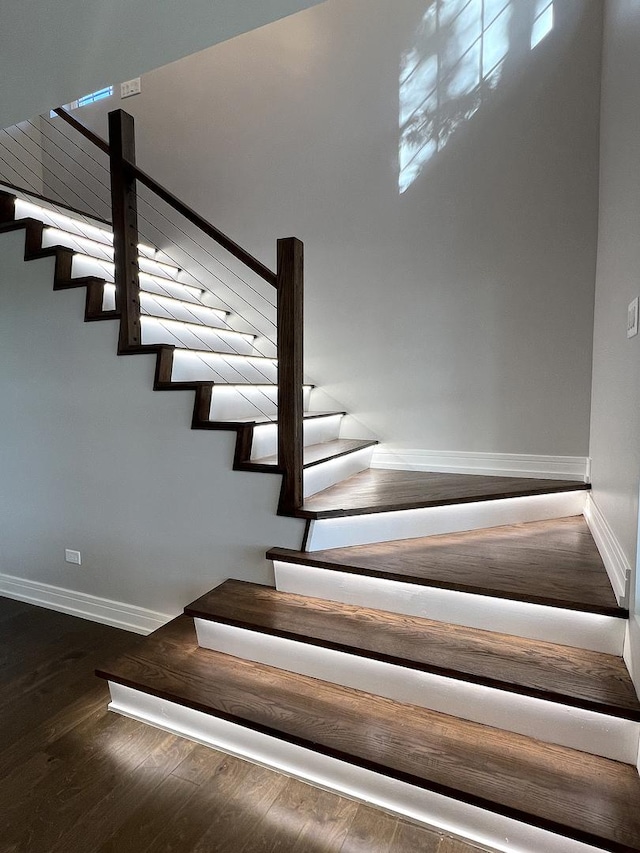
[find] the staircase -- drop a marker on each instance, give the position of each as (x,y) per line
(445,646)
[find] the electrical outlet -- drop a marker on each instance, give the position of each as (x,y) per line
(73,557)
(632,318)
(130,87)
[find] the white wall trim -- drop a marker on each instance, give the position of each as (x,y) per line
(499,464)
(118,614)
(614,559)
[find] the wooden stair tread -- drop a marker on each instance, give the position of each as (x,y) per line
(314,454)
(586,797)
(580,677)
(382,490)
(552,562)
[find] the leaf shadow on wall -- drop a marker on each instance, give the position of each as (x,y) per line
(462,51)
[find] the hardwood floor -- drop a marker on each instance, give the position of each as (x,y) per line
(76,778)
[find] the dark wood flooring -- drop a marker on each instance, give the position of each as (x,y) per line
(551,562)
(379,490)
(75,778)
(553,672)
(582,796)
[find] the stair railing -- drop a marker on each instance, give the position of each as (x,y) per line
(288,281)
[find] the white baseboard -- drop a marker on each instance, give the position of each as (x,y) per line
(614,559)
(118,614)
(497,464)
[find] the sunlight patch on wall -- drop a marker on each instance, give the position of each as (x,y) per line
(543,23)
(457,60)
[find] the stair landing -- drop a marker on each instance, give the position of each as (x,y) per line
(382,490)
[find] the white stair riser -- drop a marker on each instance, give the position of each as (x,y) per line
(207,367)
(431,521)
(185,312)
(599,734)
(79,227)
(484,827)
(85,265)
(160,331)
(95,248)
(535,621)
(75,232)
(265,436)
(319,477)
(231,402)
(173,296)
(173,289)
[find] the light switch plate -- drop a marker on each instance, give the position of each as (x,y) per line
(130,87)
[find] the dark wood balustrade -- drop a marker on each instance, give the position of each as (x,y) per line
(288,281)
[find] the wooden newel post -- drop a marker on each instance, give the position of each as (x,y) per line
(125,228)
(290,370)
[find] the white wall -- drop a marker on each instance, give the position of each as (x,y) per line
(457,315)
(93,460)
(53,53)
(615,421)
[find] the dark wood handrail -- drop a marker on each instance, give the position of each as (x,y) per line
(206,227)
(88,134)
(173,201)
